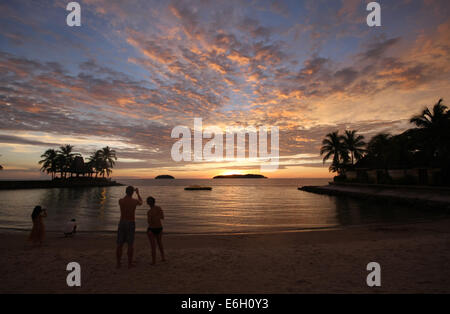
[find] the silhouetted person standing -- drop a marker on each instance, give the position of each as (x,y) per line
(127,226)
(38,232)
(155,228)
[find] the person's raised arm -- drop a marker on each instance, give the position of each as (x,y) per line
(139,196)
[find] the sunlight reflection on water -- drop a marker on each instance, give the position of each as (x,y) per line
(234,205)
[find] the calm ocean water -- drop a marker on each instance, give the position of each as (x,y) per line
(234,205)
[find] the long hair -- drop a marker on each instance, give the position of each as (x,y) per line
(36,212)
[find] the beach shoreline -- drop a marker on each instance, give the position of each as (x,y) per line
(8,230)
(414,258)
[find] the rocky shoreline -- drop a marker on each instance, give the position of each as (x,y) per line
(415,196)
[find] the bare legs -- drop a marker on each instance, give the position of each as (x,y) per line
(151,238)
(119,255)
(130,252)
(160,245)
(153,241)
(130,256)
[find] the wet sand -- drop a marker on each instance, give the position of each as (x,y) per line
(414,258)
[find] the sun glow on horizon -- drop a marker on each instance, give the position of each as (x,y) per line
(231,172)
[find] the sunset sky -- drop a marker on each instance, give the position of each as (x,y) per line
(137,68)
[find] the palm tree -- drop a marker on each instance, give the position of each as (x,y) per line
(66,157)
(432,120)
(332,146)
(50,162)
(108,157)
(65,160)
(60,164)
(354,144)
(95,162)
(435,125)
(379,149)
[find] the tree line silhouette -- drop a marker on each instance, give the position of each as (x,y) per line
(65,162)
(426,145)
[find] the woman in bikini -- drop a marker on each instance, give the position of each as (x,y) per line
(38,232)
(155,228)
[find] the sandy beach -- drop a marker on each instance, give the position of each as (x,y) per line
(414,258)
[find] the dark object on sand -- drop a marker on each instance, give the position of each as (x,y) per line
(70,228)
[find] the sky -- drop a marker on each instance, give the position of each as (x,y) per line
(136,69)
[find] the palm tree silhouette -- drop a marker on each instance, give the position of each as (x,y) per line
(354,144)
(424,147)
(379,148)
(333,146)
(50,162)
(432,120)
(108,158)
(65,158)
(95,162)
(435,126)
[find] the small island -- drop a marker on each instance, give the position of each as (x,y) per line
(164,176)
(68,169)
(241,176)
